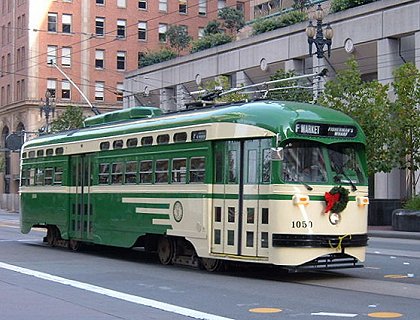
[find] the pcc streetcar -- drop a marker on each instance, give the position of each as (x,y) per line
(271,182)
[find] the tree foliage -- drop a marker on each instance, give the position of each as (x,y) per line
(156,57)
(71,118)
(340,5)
(210,41)
(291,90)
(367,103)
(233,19)
(406,112)
(178,38)
(286,19)
(213,27)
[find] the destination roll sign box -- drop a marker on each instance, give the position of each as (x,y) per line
(325,130)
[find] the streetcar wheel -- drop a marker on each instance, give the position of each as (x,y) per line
(74,245)
(166,250)
(52,235)
(210,264)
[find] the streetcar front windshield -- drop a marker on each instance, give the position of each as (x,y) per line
(304,162)
(312,162)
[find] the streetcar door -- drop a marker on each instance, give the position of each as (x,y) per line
(239,226)
(256,178)
(81,215)
(226,204)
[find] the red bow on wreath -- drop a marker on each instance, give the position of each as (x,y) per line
(331,200)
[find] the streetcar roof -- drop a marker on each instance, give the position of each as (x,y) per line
(277,117)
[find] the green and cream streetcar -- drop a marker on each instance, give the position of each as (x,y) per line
(270,182)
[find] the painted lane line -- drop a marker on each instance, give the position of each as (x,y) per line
(331,314)
(115,294)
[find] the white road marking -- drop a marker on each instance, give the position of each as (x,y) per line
(331,314)
(115,294)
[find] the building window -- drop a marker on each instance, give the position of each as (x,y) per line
(121,25)
(182,6)
(163,5)
(100,2)
(121,3)
(66,23)
(121,60)
(99,90)
(66,57)
(221,4)
(120,94)
(240,6)
(142,30)
(65,89)
(99,59)
(52,86)
(52,22)
(163,28)
(100,26)
(200,33)
(140,56)
(143,4)
(51,54)
(202,7)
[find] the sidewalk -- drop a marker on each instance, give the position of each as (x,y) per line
(388,232)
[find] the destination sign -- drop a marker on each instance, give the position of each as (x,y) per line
(325,130)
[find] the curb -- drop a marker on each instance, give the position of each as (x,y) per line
(394,234)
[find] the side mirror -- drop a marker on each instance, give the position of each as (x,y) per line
(277,154)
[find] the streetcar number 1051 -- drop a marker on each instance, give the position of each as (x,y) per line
(302,224)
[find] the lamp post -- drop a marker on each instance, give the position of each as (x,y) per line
(47,108)
(316,35)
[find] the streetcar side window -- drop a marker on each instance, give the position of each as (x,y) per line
(116,173)
(132,143)
(58,175)
(117,144)
(49,152)
(163,139)
(40,153)
(32,177)
(198,135)
(161,172)
(147,141)
(197,169)
(179,170)
(23,155)
(31,154)
(104,173)
(252,167)
(25,178)
(59,151)
(39,177)
(130,176)
(146,170)
(180,137)
(104,145)
(48,176)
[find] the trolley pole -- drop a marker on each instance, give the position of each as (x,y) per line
(47,108)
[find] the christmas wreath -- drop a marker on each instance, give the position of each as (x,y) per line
(336,199)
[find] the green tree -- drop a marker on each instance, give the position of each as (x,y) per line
(406,113)
(292,90)
(367,103)
(156,57)
(213,27)
(301,5)
(71,118)
(178,38)
(233,19)
(210,41)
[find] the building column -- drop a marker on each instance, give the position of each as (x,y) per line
(241,79)
(167,99)
(296,65)
(182,97)
(388,185)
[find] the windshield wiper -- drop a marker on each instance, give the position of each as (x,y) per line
(338,179)
(307,186)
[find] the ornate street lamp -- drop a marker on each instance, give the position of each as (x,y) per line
(47,108)
(316,35)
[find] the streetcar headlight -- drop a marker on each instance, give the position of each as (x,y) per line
(300,199)
(334,218)
(362,201)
